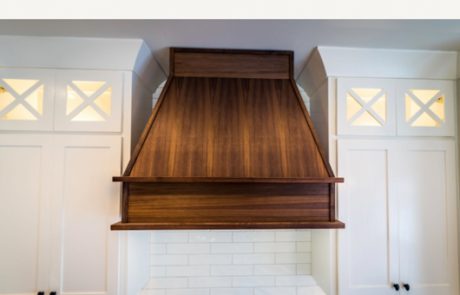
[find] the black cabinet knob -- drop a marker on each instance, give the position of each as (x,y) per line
(53,293)
(406,287)
(396,286)
(41,293)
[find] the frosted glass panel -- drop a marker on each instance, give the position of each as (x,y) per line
(5,98)
(21,99)
(89,101)
(20,85)
(88,114)
(366,107)
(366,94)
(88,87)
(19,112)
(104,101)
(73,100)
(424,107)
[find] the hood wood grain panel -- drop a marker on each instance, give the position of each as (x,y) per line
(228,145)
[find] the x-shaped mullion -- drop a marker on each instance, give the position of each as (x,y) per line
(366,107)
(88,100)
(21,99)
(424,108)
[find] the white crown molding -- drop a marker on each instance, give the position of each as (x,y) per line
(81,53)
(383,63)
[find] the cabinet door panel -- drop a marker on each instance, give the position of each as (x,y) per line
(368,246)
(425,107)
(365,107)
(26,99)
(89,200)
(88,101)
(426,194)
(23,222)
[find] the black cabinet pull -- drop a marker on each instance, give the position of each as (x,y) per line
(396,287)
(53,293)
(41,293)
(406,287)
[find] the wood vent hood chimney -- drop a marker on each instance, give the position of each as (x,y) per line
(229,145)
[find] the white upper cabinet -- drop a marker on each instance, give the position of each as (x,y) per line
(425,107)
(61,100)
(366,106)
(88,101)
(26,99)
(395,107)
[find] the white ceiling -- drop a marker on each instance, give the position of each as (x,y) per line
(298,35)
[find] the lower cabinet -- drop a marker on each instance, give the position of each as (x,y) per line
(399,205)
(58,202)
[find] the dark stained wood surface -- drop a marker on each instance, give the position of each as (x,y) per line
(229,145)
(258,224)
(231,63)
(228,179)
(219,127)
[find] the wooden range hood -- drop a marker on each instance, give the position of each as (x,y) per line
(229,145)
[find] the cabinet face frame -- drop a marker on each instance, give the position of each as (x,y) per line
(65,118)
(446,89)
(45,78)
(349,88)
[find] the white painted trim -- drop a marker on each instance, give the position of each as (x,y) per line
(390,63)
(81,53)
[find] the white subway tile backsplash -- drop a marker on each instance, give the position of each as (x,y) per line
(283,258)
(190,248)
(232,291)
(303,246)
(253,236)
(256,258)
(187,271)
(157,248)
(231,262)
(231,270)
(288,269)
(158,271)
(253,281)
(304,269)
(232,248)
(169,259)
(274,247)
(295,281)
(164,283)
(187,292)
(210,282)
(210,259)
(210,236)
(275,291)
(293,236)
(170,236)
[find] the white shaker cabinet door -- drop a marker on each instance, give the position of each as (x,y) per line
(25,161)
(87,203)
(426,192)
(368,247)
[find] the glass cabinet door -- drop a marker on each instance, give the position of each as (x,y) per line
(88,101)
(365,106)
(425,107)
(26,99)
